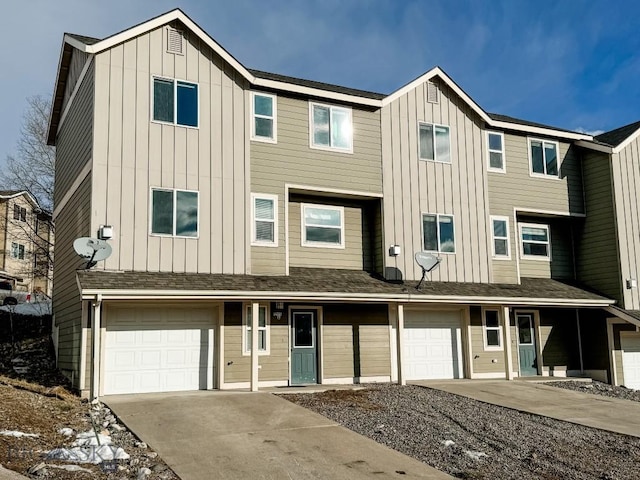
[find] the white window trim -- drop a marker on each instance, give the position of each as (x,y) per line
(548,242)
(438,215)
(492,348)
(273,118)
(433,135)
(175,207)
(542,175)
(175,101)
(493,238)
(502,152)
(262,243)
(303,229)
(331,108)
(246,325)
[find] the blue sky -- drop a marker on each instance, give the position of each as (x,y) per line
(570,63)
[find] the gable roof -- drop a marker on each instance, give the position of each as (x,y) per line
(617,136)
(8,194)
(259,78)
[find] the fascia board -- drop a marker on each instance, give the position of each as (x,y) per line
(595,146)
(627,141)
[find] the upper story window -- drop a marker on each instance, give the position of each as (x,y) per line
(175,102)
(263,330)
(263,111)
(495,152)
(174,212)
(500,233)
(491,326)
(434,142)
(17,251)
(322,226)
(535,241)
(331,127)
(543,155)
(19,213)
(265,220)
(438,233)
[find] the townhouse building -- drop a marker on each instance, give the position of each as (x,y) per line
(265,228)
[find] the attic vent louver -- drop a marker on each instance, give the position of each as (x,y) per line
(175,41)
(432,93)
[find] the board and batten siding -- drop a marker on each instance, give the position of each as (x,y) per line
(132,154)
(485,361)
(626,183)
(597,250)
(413,187)
(72,222)
(560,265)
(292,161)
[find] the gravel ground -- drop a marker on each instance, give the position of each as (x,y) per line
(473,440)
(599,388)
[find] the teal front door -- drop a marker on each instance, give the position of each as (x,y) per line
(526,345)
(304,350)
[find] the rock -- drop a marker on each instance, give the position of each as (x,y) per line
(117,427)
(37,468)
(152,455)
(134,461)
(105,424)
(141,445)
(67,432)
(159,467)
(143,473)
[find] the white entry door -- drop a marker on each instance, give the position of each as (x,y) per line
(432,345)
(158,349)
(630,344)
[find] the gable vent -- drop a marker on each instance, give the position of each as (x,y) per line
(432,92)
(175,41)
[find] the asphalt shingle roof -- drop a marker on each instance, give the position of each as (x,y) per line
(84,39)
(315,280)
(505,118)
(619,135)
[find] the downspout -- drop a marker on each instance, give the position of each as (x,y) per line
(575,277)
(95,330)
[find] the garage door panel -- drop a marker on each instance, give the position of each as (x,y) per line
(630,344)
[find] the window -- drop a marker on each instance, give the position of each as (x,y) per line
(500,232)
(331,127)
(263,330)
(495,146)
(265,225)
(491,326)
(437,233)
(263,127)
(175,101)
(434,142)
(174,212)
(535,241)
(19,213)
(17,251)
(544,157)
(322,226)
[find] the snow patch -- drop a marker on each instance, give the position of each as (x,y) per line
(69,468)
(67,432)
(448,443)
(475,455)
(14,433)
(89,447)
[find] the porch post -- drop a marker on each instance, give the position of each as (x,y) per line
(400,342)
(506,329)
(255,316)
(95,331)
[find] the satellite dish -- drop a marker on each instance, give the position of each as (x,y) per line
(92,249)
(427,262)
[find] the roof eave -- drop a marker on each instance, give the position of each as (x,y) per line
(598,147)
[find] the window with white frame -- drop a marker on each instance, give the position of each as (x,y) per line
(331,127)
(544,157)
(263,330)
(175,102)
(263,108)
(500,233)
(265,224)
(322,226)
(434,142)
(174,212)
(495,151)
(438,233)
(491,327)
(17,251)
(535,241)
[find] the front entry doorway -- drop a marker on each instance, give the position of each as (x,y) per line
(304,346)
(526,344)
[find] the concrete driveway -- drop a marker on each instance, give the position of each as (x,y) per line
(229,435)
(612,414)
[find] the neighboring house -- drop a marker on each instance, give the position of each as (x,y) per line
(265,228)
(25,243)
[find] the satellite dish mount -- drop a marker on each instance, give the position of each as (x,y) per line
(427,262)
(92,250)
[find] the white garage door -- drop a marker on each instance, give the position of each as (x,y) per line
(158,349)
(432,345)
(630,343)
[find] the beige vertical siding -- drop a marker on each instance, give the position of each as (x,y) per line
(559,339)
(483,360)
(292,161)
(597,248)
(561,263)
(617,349)
(78,60)
(350,257)
(72,222)
(413,186)
(133,154)
(626,181)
